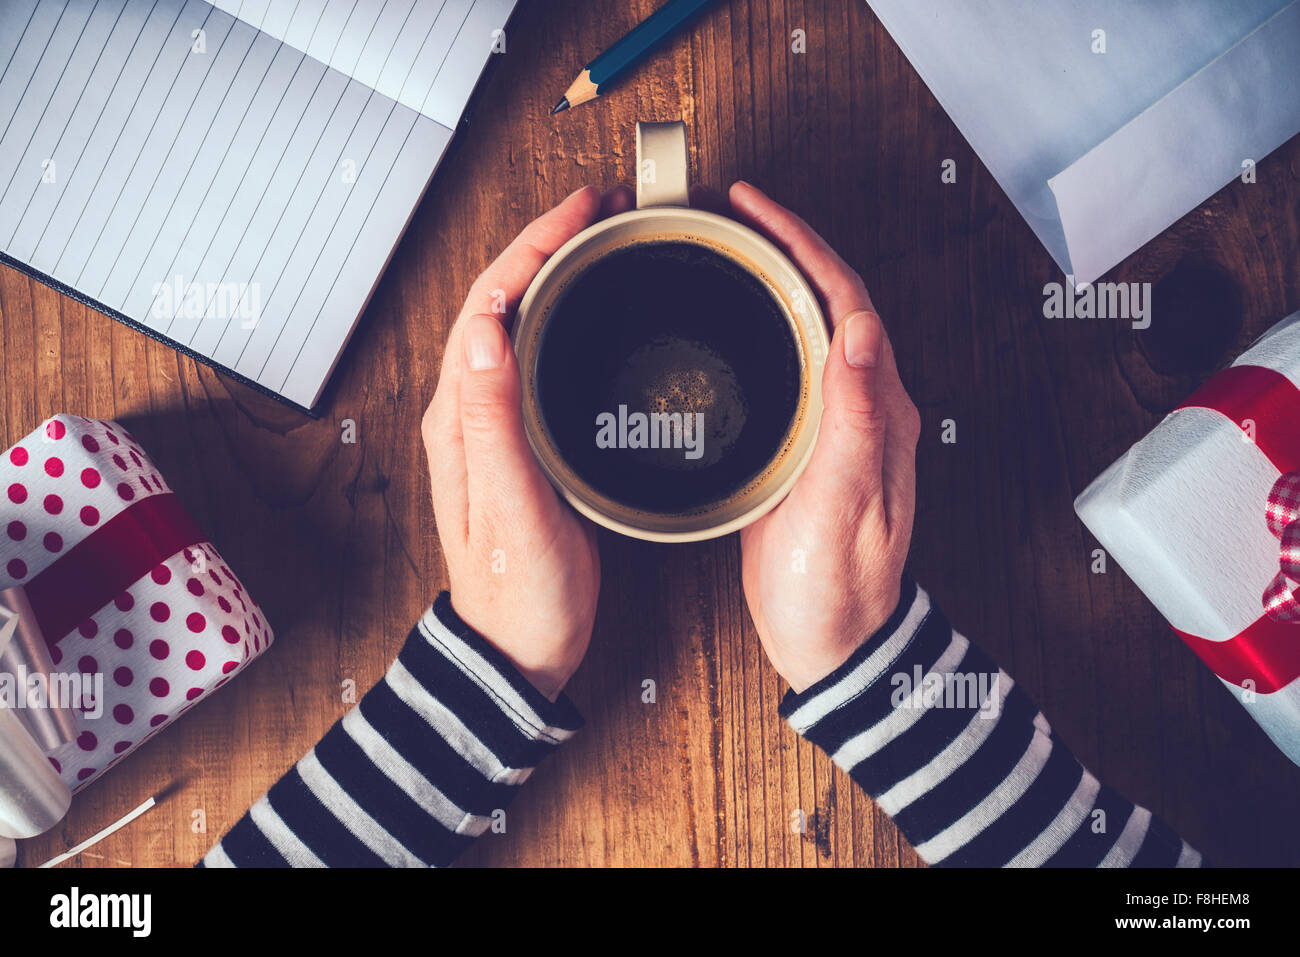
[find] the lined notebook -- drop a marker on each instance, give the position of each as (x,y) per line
(230,177)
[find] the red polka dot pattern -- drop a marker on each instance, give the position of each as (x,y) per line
(162,644)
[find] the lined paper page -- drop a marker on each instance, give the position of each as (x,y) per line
(207,179)
(425,54)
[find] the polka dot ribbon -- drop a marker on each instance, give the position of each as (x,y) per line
(1280,600)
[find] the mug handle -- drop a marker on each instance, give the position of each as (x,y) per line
(662,169)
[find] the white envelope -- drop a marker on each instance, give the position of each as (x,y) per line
(1183,513)
(1100,152)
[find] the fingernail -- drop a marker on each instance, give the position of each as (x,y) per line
(485,343)
(862,339)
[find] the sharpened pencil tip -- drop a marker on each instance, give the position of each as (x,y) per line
(561,106)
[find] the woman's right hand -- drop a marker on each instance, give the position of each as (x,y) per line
(822,571)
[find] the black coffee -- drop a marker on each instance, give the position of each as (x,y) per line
(668,376)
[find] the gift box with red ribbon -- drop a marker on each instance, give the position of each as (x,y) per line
(122,587)
(1204,515)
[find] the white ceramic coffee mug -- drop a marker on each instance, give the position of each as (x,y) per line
(663,213)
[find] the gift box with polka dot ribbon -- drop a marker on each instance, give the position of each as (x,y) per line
(123,585)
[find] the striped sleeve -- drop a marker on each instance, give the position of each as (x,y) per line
(416,770)
(954,751)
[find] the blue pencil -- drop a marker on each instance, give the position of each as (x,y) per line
(639,43)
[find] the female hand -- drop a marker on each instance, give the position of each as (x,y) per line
(822,571)
(523,566)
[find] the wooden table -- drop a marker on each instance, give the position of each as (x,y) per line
(337,540)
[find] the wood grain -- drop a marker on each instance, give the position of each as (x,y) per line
(337,541)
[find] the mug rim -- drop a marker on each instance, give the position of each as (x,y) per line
(677,220)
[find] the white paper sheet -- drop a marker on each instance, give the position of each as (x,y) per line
(425,54)
(280,178)
(1102,151)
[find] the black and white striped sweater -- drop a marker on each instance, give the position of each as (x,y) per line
(960,759)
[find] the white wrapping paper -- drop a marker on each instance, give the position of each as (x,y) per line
(1183,513)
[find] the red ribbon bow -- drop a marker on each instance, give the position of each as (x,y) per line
(1280,600)
(1266,655)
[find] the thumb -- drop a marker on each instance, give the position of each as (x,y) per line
(851,442)
(502,476)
